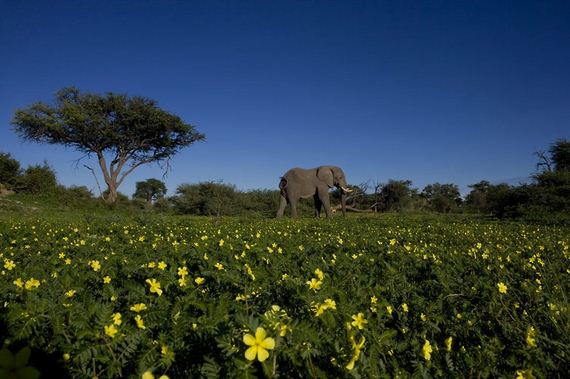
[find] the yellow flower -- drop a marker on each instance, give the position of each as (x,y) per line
(19,283)
(138,307)
(328,304)
(154,286)
(389,309)
(502,287)
(525,374)
(107,279)
(423,317)
(164,350)
(66,357)
(162,265)
(427,350)
(356,347)
(147,375)
(373,300)
(182,282)
(110,330)
(319,274)
(531,337)
(219,266)
(221,243)
(140,322)
(117,318)
(182,271)
(199,280)
(31,284)
(70,293)
(95,265)
(283,329)
(359,321)
(405,307)
(8,264)
(448,342)
(258,345)
(314,284)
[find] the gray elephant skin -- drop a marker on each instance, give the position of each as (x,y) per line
(300,183)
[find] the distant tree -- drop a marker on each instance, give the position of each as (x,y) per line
(557,172)
(442,198)
(489,198)
(9,170)
(150,190)
(477,199)
(396,195)
(123,132)
(560,155)
(206,198)
(37,179)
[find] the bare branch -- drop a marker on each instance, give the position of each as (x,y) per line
(544,161)
(96,180)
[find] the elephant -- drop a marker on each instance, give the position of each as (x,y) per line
(299,183)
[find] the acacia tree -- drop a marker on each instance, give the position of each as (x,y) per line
(150,190)
(123,132)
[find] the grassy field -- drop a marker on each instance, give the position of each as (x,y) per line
(110,295)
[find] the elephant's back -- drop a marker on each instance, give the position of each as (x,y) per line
(300,173)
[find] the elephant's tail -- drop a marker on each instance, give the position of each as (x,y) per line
(282,184)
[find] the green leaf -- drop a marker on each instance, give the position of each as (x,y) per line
(23,356)
(7,359)
(28,373)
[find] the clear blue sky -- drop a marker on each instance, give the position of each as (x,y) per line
(431,91)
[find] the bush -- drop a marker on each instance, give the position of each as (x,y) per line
(37,179)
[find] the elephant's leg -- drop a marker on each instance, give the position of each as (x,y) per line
(293,203)
(323,194)
(318,205)
(282,205)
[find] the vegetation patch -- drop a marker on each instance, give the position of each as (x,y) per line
(363,296)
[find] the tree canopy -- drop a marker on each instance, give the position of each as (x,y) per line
(150,190)
(123,132)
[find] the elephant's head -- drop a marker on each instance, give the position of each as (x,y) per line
(334,177)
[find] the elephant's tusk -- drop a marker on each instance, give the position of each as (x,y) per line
(346,189)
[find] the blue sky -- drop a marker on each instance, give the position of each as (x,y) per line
(438,91)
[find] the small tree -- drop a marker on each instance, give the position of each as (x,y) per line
(150,190)
(9,170)
(123,132)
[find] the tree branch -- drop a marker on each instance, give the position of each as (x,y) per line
(96,180)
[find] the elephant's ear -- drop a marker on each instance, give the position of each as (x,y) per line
(325,174)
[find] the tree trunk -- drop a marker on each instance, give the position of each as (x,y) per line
(343,203)
(113,193)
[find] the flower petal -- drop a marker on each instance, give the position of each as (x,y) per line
(262,354)
(249,340)
(268,343)
(260,334)
(251,353)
